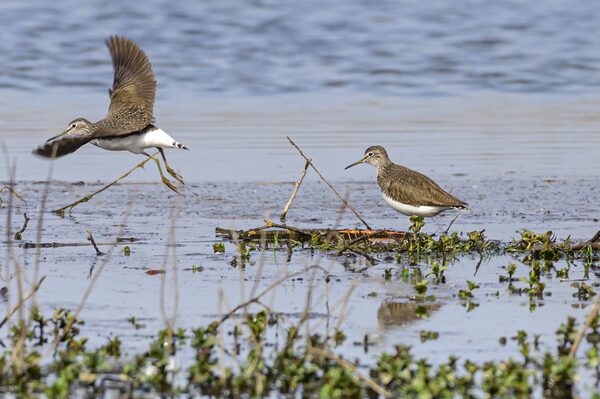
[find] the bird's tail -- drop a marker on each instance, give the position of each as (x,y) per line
(179,145)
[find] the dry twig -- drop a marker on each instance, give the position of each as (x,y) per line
(61,211)
(286,208)
(19,234)
(13,192)
(21,302)
(351,368)
(91,239)
(256,298)
(329,184)
(588,321)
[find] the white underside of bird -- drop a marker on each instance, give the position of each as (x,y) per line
(420,210)
(150,137)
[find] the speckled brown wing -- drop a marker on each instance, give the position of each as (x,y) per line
(413,188)
(133,92)
(62,146)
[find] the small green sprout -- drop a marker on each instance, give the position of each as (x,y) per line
(218,247)
(428,335)
(126,250)
(387,273)
(468,293)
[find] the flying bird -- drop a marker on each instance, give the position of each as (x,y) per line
(129,123)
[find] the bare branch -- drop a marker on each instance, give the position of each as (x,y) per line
(329,184)
(286,208)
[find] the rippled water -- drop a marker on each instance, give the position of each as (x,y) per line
(274,47)
(497,101)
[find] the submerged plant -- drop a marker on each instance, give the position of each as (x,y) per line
(468,293)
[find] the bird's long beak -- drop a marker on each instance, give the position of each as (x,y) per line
(57,136)
(355,163)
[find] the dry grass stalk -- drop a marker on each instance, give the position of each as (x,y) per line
(61,211)
(286,208)
(586,325)
(329,184)
(351,368)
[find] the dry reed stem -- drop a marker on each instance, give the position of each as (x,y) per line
(588,321)
(61,211)
(19,234)
(90,238)
(170,251)
(90,286)
(286,208)
(21,302)
(351,368)
(256,298)
(329,184)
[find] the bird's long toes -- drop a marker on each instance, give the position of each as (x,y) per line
(168,183)
(175,175)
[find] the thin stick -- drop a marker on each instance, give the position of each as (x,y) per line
(270,223)
(329,185)
(61,211)
(19,234)
(256,299)
(91,239)
(356,241)
(286,208)
(588,321)
(452,222)
(13,192)
(353,369)
(21,302)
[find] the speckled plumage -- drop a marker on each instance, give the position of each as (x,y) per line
(406,190)
(413,188)
(131,102)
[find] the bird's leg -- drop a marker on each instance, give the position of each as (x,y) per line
(165,181)
(171,171)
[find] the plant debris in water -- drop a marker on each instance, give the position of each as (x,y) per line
(298,365)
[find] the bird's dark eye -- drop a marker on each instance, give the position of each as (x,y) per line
(370,154)
(73,125)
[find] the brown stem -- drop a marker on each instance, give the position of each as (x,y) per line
(256,299)
(329,184)
(588,321)
(270,223)
(61,211)
(286,208)
(19,234)
(352,369)
(91,239)
(356,241)
(21,302)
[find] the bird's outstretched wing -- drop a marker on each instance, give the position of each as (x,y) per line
(133,91)
(62,146)
(412,188)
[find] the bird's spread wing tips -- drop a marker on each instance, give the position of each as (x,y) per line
(134,81)
(63,146)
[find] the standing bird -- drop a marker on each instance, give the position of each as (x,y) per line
(128,125)
(408,191)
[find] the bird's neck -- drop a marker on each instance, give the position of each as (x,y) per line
(383,166)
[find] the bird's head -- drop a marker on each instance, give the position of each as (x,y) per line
(374,155)
(76,126)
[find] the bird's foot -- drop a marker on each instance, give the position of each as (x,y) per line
(168,183)
(175,175)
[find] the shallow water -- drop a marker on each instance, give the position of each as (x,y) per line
(497,103)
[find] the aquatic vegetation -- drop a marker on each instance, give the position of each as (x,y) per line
(438,272)
(428,335)
(468,293)
(307,365)
(218,247)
